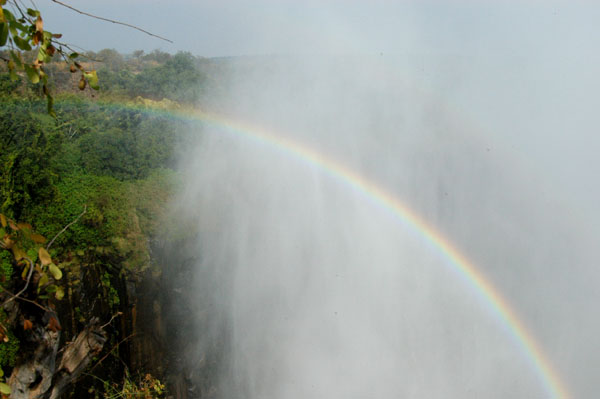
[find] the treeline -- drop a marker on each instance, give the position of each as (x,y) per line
(179,77)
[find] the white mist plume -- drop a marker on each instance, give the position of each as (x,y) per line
(319,293)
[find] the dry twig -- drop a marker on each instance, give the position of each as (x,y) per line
(66,227)
(110,20)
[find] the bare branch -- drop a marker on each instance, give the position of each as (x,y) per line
(27,300)
(24,288)
(66,227)
(110,20)
(110,351)
(111,319)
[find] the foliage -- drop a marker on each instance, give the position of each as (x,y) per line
(30,143)
(147,388)
(177,79)
(30,254)
(31,48)
(6,268)
(116,162)
(9,345)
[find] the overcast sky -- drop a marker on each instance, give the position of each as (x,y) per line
(239,27)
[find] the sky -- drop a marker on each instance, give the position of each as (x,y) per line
(243,27)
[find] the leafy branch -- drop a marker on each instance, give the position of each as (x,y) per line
(30,46)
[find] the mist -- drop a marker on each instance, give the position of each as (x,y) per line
(307,287)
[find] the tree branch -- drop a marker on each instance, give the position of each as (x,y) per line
(111,349)
(27,300)
(24,288)
(109,20)
(66,227)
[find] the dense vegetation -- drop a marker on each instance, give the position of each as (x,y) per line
(104,161)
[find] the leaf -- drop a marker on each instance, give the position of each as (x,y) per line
(43,281)
(73,55)
(7,242)
(57,35)
(4,388)
(38,238)
(2,220)
(24,226)
(1,372)
(39,24)
(13,225)
(50,105)
(60,293)
(32,74)
(81,83)
(56,272)
(33,13)
(92,78)
(17,59)
(3,33)
(37,38)
(8,16)
(18,253)
(54,325)
(27,325)
(44,257)
(22,43)
(25,270)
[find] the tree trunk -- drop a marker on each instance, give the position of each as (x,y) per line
(39,378)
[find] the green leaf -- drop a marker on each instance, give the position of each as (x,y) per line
(22,43)
(3,33)
(8,16)
(73,55)
(4,388)
(60,293)
(41,56)
(32,74)
(17,59)
(56,272)
(43,281)
(33,13)
(25,270)
(92,78)
(50,105)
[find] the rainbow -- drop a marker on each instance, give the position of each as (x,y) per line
(546,374)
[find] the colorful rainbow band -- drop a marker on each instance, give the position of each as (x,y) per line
(542,366)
